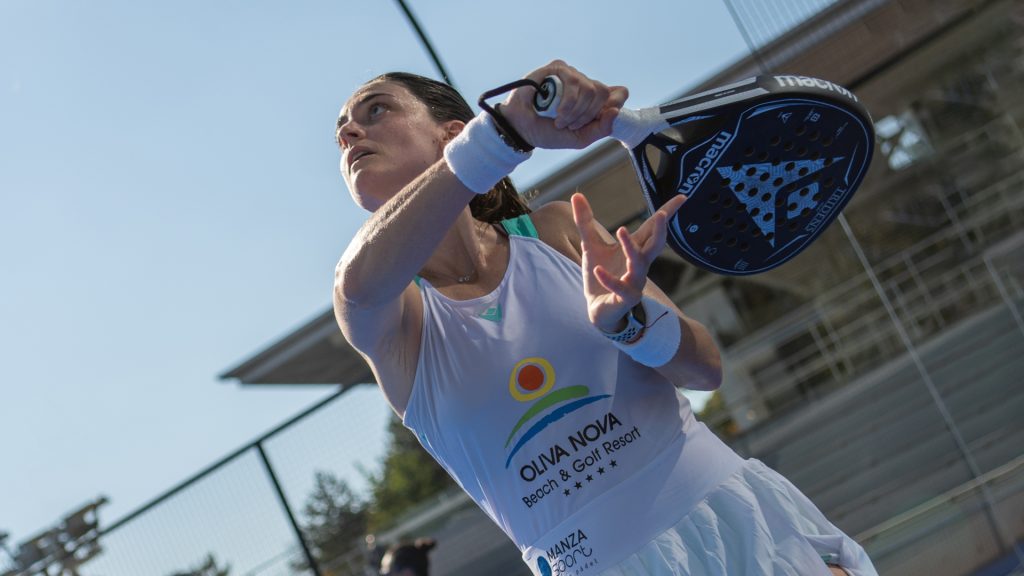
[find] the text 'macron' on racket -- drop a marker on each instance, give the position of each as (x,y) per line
(766,165)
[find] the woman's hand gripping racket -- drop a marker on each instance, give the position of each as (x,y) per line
(766,165)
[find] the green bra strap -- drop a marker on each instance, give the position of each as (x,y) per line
(520,226)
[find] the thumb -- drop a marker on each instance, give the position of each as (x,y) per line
(600,127)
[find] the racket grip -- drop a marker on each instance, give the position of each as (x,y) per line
(631,127)
(547,97)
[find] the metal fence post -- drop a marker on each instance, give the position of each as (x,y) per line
(288,511)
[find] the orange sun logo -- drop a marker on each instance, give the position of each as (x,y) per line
(531,378)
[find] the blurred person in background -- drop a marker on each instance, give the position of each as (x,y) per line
(407,559)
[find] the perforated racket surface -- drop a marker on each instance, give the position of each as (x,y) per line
(767,164)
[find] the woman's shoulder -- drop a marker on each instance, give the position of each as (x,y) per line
(556,228)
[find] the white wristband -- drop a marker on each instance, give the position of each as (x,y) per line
(660,337)
(478,156)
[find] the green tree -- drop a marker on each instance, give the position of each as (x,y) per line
(408,477)
(716,415)
(335,522)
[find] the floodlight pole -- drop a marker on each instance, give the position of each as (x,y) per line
(426,42)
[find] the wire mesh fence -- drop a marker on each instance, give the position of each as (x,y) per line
(293,502)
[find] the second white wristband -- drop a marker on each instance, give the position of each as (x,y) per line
(660,338)
(478,156)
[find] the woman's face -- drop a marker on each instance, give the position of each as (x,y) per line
(387,138)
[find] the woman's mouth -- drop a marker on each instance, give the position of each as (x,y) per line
(357,155)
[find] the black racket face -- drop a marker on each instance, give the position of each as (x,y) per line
(764,178)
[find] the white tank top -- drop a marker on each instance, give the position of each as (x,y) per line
(578,453)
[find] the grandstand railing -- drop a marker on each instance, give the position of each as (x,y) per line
(846,332)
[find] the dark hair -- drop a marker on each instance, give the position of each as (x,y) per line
(445,103)
(412,556)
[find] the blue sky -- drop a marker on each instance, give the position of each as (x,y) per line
(170,204)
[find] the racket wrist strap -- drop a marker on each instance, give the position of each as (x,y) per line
(659,337)
(479,157)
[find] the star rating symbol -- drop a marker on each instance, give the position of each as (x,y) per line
(578,485)
(600,470)
(614,463)
(566,492)
(590,478)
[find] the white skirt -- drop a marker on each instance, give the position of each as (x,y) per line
(755,523)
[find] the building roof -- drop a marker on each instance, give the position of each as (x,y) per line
(315,353)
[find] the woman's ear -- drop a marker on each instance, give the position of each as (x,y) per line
(452,129)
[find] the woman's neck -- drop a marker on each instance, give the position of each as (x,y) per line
(468,257)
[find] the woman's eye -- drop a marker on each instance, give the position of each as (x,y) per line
(376,110)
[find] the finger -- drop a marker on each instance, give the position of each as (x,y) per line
(659,218)
(572,91)
(649,228)
(573,113)
(555,67)
(638,262)
(617,96)
(590,281)
(589,109)
(582,113)
(635,260)
(577,94)
(656,243)
(570,96)
(672,206)
(660,227)
(606,111)
(600,128)
(613,284)
(585,223)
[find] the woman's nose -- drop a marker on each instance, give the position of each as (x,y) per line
(349,132)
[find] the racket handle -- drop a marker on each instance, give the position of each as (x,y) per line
(547,97)
(631,127)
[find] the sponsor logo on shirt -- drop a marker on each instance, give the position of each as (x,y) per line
(570,555)
(571,463)
(533,380)
(493,314)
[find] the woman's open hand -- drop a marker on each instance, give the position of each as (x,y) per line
(615,270)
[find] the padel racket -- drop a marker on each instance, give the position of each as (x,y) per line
(766,165)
